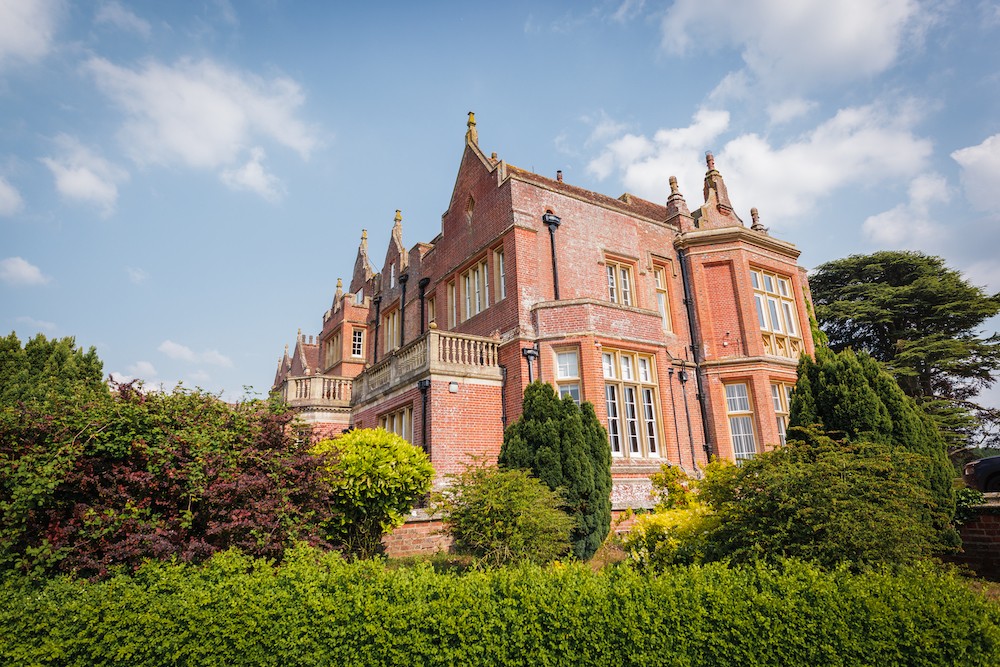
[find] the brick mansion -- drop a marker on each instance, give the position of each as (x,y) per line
(683,327)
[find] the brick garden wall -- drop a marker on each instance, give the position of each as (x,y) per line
(981,540)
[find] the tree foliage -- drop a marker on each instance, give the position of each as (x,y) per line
(504,516)
(48,369)
(922,319)
(860,504)
(88,484)
(565,446)
(376,478)
(853,399)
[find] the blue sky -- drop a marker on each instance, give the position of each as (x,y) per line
(182,183)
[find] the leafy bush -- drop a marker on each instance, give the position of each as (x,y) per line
(316,609)
(377,478)
(565,446)
(861,504)
(852,398)
(677,536)
(672,488)
(504,516)
(90,483)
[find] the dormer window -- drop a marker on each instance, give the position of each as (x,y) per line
(359,298)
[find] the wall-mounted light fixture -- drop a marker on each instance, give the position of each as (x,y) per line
(453,387)
(530,353)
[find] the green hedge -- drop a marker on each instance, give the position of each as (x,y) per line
(316,609)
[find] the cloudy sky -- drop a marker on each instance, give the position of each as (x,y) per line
(182,183)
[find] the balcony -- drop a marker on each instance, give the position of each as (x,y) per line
(434,353)
(317,391)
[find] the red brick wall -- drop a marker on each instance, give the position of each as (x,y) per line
(981,541)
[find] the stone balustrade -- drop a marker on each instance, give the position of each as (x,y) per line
(318,390)
(435,352)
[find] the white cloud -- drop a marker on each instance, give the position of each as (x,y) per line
(800,44)
(176,351)
(628,10)
(185,353)
(984,273)
(981,173)
(215,358)
(10,198)
(646,164)
(18,271)
(200,377)
(788,110)
(201,114)
(253,177)
(85,176)
(27,28)
(36,324)
(910,225)
(136,276)
(143,369)
(113,13)
(859,145)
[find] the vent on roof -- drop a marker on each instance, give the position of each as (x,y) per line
(627,198)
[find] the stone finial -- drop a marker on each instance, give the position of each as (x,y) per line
(755,218)
(299,336)
(472,135)
(339,294)
(676,205)
(710,160)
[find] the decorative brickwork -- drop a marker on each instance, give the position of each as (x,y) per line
(662,321)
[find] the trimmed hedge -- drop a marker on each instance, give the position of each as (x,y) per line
(316,609)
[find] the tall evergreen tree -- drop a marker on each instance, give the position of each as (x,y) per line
(922,320)
(855,400)
(46,369)
(565,446)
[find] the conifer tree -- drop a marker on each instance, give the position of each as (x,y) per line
(565,446)
(922,320)
(854,400)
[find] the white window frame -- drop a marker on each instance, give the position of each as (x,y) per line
(620,282)
(631,395)
(777,313)
(398,421)
(567,364)
(739,410)
(358,343)
(662,296)
(781,397)
(500,272)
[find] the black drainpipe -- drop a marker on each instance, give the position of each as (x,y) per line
(423,386)
(695,346)
(422,284)
(552,221)
(677,434)
(503,396)
(378,309)
(687,415)
(403,279)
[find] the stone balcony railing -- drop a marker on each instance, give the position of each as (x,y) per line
(318,391)
(434,353)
